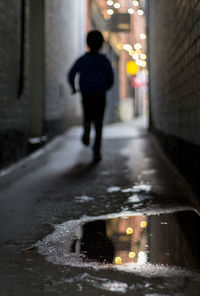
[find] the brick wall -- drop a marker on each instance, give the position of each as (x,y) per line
(63,34)
(13,95)
(174,62)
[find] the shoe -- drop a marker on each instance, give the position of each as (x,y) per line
(96,157)
(86,139)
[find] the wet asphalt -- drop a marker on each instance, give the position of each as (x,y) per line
(59,184)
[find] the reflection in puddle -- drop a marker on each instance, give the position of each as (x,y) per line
(116,241)
(115,287)
(162,240)
(94,243)
(140,239)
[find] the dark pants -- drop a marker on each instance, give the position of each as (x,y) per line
(93,110)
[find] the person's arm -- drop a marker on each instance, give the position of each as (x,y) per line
(71,75)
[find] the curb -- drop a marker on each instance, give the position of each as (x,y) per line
(32,157)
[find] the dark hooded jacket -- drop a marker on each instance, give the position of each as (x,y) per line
(96,74)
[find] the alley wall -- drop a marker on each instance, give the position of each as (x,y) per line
(14,105)
(30,106)
(65,41)
(174,63)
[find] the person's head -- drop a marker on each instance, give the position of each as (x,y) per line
(95,40)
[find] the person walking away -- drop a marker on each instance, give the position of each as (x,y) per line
(95,78)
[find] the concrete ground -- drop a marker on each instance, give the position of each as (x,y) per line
(58,184)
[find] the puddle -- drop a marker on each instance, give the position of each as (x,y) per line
(113,189)
(139,187)
(135,198)
(83,198)
(147,244)
(115,286)
(149,172)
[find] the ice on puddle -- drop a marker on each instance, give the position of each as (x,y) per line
(127,190)
(83,198)
(113,189)
(141,187)
(134,198)
(115,287)
(149,172)
(138,187)
(137,198)
(158,294)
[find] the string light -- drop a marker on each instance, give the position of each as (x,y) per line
(143,36)
(143,56)
(135,3)
(110,2)
(141,63)
(140,12)
(131,255)
(129,230)
(118,260)
(135,56)
(110,11)
(117,5)
(134,51)
(138,46)
(131,52)
(127,47)
(131,11)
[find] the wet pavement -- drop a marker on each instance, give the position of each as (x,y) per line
(127,225)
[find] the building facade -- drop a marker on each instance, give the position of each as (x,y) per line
(39,40)
(174,46)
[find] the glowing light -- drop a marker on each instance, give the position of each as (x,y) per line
(118,260)
(129,230)
(143,36)
(120,46)
(110,11)
(131,255)
(131,52)
(143,224)
(140,12)
(131,69)
(135,56)
(145,71)
(127,47)
(142,258)
(138,52)
(138,46)
(110,2)
(143,56)
(141,63)
(131,11)
(116,5)
(135,3)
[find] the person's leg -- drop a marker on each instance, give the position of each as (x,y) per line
(86,133)
(98,122)
(87,119)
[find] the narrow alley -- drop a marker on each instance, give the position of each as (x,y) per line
(99,147)
(47,197)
